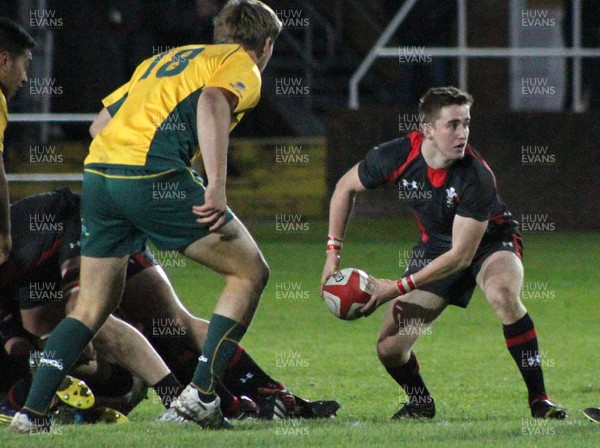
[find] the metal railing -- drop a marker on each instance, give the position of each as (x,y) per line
(462,52)
(48,118)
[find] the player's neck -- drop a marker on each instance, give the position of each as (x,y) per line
(253,56)
(433,157)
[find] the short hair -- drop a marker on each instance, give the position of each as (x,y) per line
(14,38)
(437,98)
(246,22)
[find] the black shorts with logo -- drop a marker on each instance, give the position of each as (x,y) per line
(458,288)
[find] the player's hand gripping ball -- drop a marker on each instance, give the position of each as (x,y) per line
(346,291)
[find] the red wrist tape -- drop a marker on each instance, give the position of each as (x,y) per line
(406,284)
(334,243)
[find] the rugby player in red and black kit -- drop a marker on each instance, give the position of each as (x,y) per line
(468,238)
(40,282)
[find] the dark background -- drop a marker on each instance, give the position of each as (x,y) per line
(100,43)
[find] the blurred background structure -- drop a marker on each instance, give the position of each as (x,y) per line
(345,75)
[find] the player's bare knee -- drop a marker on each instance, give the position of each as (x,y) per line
(505,302)
(264,274)
(93,314)
(501,297)
(383,352)
(18,347)
(392,357)
(393,351)
(106,341)
(259,275)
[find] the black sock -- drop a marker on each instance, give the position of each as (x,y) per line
(17,394)
(243,376)
(409,378)
(118,384)
(168,389)
(227,398)
(522,343)
(14,367)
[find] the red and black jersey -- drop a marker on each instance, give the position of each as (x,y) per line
(436,196)
(46,230)
(43,227)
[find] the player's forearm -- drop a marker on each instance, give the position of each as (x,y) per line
(466,236)
(340,208)
(443,266)
(99,122)
(214,119)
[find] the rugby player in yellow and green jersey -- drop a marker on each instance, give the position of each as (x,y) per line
(153,125)
(138,185)
(15,56)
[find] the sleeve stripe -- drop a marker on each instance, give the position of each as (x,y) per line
(114,108)
(415,140)
(233,52)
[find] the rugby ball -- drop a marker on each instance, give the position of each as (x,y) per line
(347,291)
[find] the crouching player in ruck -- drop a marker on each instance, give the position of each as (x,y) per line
(40,281)
(42,278)
(468,238)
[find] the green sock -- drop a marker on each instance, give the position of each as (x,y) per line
(64,346)
(220,345)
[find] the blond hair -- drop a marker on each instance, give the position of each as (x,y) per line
(246,22)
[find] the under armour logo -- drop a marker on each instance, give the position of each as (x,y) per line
(533,361)
(247,378)
(412,185)
(509,244)
(203,358)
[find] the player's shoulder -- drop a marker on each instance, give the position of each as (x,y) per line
(56,201)
(394,147)
(221,53)
(229,66)
(476,164)
(197,53)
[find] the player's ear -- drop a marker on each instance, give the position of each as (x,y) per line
(267,46)
(266,52)
(4,60)
(427,129)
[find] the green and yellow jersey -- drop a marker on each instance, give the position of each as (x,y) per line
(3,119)
(153,125)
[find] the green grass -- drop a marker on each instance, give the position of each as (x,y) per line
(480,396)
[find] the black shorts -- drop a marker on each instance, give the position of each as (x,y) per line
(458,288)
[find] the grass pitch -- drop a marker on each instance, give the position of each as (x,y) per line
(480,397)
